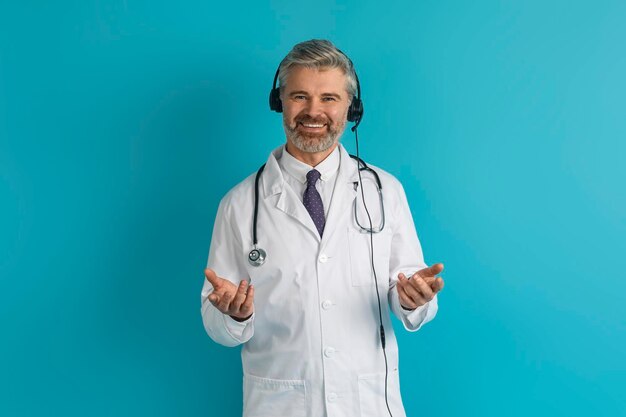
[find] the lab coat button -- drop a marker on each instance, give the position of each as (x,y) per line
(329,352)
(332,396)
(326,304)
(323,258)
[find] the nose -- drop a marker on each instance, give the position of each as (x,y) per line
(313,107)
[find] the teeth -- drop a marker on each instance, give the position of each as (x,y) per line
(310,125)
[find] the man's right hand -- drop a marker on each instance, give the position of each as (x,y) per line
(236,301)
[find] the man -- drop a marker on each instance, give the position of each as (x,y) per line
(308,312)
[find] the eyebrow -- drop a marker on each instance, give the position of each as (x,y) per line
(302,92)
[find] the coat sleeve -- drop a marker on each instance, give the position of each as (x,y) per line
(226,259)
(406,256)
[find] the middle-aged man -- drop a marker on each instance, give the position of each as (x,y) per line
(291,274)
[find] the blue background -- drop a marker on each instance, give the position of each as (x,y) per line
(122,123)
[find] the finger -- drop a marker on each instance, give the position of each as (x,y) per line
(216,295)
(431,271)
(423,288)
(411,290)
(429,280)
(213,298)
(248,305)
(437,285)
(212,277)
(402,280)
(402,283)
(405,300)
(224,303)
(240,296)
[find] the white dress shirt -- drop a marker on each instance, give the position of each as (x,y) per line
(296,175)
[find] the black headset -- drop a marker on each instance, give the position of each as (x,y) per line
(355,111)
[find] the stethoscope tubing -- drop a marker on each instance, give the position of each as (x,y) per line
(257,256)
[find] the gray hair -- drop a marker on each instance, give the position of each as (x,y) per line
(318,54)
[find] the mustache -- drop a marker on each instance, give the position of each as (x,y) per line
(312,120)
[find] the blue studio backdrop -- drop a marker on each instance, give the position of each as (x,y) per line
(123,123)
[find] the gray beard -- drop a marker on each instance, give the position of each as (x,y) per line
(313,144)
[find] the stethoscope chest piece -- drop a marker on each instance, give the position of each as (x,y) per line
(256,257)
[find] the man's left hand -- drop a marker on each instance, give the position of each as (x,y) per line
(420,288)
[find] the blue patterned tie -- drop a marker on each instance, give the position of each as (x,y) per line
(313,202)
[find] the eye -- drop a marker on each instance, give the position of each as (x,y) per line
(299,97)
(329,99)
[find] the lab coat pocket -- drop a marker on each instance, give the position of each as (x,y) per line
(372,395)
(359,245)
(265,397)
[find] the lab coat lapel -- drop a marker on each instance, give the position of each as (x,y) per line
(287,201)
(343,196)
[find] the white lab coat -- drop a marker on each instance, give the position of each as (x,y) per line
(312,346)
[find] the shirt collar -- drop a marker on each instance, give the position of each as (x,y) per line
(298,169)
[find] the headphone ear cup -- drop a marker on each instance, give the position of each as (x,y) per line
(275,102)
(355,111)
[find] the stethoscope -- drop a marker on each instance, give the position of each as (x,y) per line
(257,255)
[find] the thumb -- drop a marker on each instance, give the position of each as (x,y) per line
(212,277)
(431,271)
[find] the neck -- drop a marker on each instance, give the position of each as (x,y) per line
(310,158)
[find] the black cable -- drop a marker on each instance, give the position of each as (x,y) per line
(256,203)
(371,233)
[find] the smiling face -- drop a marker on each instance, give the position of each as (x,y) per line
(315,107)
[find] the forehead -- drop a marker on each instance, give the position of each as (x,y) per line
(313,80)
